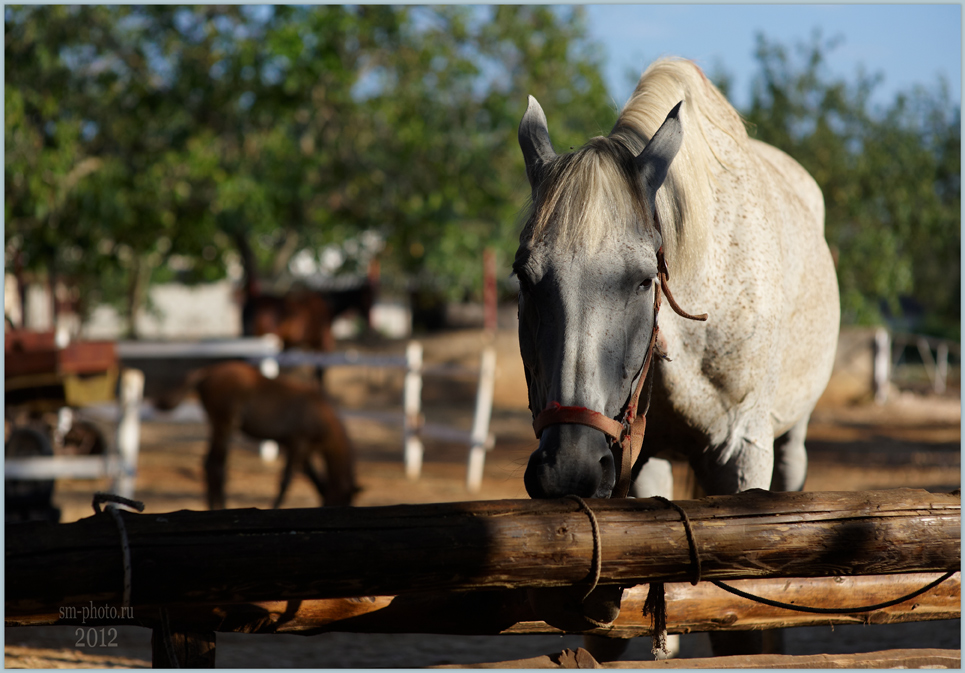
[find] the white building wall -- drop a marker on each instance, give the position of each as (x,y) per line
(179,312)
(209,311)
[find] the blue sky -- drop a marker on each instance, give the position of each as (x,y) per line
(908,44)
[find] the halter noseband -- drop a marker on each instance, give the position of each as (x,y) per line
(626,431)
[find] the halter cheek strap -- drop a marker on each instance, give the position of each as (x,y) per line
(626,431)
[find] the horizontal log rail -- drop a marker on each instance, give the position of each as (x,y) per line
(244,556)
(689,609)
(910,658)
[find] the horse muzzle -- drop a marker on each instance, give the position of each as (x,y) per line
(570,460)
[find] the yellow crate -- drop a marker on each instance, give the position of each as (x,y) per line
(81,391)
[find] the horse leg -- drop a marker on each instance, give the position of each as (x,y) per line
(321,485)
(744,461)
(655,478)
(791,458)
(214,463)
(292,453)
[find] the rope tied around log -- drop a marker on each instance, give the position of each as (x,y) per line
(112,502)
(592,579)
(101,497)
(596,562)
(656,604)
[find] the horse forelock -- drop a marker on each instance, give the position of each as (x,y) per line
(588,195)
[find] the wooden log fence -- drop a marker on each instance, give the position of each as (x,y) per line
(690,609)
(907,658)
(189,575)
(241,556)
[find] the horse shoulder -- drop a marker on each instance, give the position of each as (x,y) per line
(773,319)
(810,290)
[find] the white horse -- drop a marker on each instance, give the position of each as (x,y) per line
(740,226)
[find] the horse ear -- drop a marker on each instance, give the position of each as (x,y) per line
(534,140)
(654,161)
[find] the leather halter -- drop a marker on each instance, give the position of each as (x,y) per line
(626,431)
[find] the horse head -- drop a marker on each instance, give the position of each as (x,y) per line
(589,267)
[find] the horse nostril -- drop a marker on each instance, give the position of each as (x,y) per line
(532,483)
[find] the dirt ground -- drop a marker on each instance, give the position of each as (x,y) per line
(912,441)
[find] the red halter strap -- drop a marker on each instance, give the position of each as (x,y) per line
(627,430)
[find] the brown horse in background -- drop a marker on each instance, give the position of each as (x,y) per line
(302,317)
(236,396)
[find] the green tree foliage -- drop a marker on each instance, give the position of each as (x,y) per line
(146,139)
(144,142)
(891,179)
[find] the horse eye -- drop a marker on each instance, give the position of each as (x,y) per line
(524,284)
(646,285)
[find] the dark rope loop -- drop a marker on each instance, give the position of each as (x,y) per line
(596,564)
(100,497)
(833,611)
(695,561)
(112,502)
(691,541)
(656,603)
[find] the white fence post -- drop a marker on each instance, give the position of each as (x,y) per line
(480,440)
(411,408)
(65,421)
(268,449)
(129,431)
(882,365)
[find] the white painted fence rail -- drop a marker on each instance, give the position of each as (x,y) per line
(267,353)
(249,347)
(414,427)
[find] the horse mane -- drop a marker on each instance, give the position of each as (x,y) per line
(587,191)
